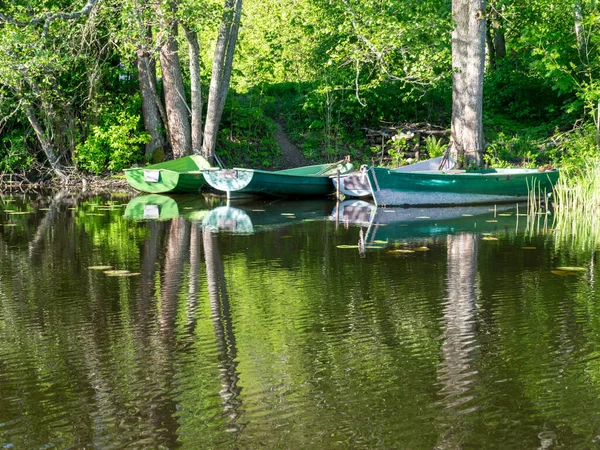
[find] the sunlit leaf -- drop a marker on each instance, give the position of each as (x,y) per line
(489,238)
(422,249)
(347,246)
(100,267)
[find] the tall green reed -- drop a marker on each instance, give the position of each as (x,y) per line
(577,206)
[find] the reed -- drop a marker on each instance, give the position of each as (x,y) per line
(577,207)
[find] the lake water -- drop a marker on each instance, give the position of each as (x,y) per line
(292,325)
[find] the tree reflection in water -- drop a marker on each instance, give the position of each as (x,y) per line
(456,372)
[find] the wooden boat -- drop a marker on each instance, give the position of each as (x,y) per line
(304,181)
(457,187)
(181,175)
(356,184)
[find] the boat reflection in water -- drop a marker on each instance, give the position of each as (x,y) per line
(386,225)
(254,216)
(165,207)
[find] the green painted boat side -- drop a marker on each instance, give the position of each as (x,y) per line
(454,187)
(164,207)
(304,181)
(181,175)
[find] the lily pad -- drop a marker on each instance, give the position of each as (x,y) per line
(467,215)
(529,248)
(401,250)
(492,221)
(8,224)
(347,246)
(572,269)
(15,213)
(489,238)
(422,249)
(423,217)
(564,273)
(100,267)
(116,273)
(288,214)
(505,214)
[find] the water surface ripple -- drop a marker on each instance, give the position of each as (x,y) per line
(268,326)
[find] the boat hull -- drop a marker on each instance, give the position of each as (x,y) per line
(310,181)
(356,184)
(182,175)
(448,188)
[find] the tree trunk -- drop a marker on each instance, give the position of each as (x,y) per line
(152,119)
(194,50)
(468,60)
(45,143)
(221,74)
(177,110)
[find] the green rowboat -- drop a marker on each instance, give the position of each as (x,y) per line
(458,187)
(307,181)
(180,175)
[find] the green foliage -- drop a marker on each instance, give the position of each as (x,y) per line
(14,154)
(435,146)
(246,135)
(574,150)
(115,143)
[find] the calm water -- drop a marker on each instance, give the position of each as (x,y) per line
(292,325)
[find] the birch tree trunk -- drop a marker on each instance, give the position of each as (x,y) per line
(177,109)
(221,74)
(468,61)
(194,51)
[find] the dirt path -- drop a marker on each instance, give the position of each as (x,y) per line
(292,154)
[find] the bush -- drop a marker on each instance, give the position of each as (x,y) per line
(116,142)
(13,153)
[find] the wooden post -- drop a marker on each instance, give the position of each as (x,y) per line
(337,191)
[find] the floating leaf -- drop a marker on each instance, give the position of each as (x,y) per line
(529,248)
(286,237)
(401,250)
(129,274)
(505,214)
(258,210)
(492,221)
(564,273)
(379,242)
(347,246)
(423,217)
(15,213)
(288,214)
(389,210)
(114,273)
(43,209)
(467,215)
(572,269)
(100,267)
(489,238)
(8,224)
(422,249)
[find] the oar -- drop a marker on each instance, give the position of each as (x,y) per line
(331,166)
